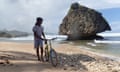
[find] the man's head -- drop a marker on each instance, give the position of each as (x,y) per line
(39,20)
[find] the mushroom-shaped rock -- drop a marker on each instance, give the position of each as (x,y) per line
(83,23)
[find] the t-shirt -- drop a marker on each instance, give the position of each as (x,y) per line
(38,30)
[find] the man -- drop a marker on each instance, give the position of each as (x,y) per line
(38,40)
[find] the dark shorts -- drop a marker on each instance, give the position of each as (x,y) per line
(38,43)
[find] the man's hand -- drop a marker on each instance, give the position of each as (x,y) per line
(45,41)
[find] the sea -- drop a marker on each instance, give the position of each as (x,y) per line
(110,45)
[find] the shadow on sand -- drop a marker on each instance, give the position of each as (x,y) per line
(15,55)
(65,62)
(74,61)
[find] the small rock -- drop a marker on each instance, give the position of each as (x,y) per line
(1,63)
(72,65)
(7,61)
(114,71)
(65,68)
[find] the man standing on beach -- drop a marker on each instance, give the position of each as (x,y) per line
(38,40)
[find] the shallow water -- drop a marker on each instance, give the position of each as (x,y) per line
(110,45)
(111,49)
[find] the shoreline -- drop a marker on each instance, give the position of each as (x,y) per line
(115,58)
(71,59)
(109,56)
(102,54)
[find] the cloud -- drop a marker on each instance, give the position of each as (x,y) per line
(21,14)
(113,1)
(101,4)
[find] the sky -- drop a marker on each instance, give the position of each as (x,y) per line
(21,14)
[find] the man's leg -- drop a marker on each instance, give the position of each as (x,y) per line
(42,54)
(37,52)
(37,49)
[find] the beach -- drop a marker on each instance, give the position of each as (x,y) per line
(21,57)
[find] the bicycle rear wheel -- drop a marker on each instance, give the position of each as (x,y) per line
(53,57)
(46,53)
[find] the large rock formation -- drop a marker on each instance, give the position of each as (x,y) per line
(82,23)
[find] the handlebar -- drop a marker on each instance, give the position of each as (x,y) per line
(52,38)
(49,39)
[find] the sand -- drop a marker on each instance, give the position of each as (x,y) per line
(21,57)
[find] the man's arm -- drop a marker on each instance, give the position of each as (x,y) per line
(43,35)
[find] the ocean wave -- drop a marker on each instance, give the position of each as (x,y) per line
(109,34)
(107,41)
(59,37)
(91,44)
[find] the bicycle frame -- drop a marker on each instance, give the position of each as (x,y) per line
(51,54)
(50,44)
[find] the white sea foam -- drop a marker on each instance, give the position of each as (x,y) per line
(59,37)
(22,38)
(109,34)
(106,41)
(111,38)
(91,44)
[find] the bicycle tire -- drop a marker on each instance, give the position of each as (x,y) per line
(46,53)
(53,57)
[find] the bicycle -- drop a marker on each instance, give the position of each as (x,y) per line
(50,53)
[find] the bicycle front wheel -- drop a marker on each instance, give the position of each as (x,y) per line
(53,57)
